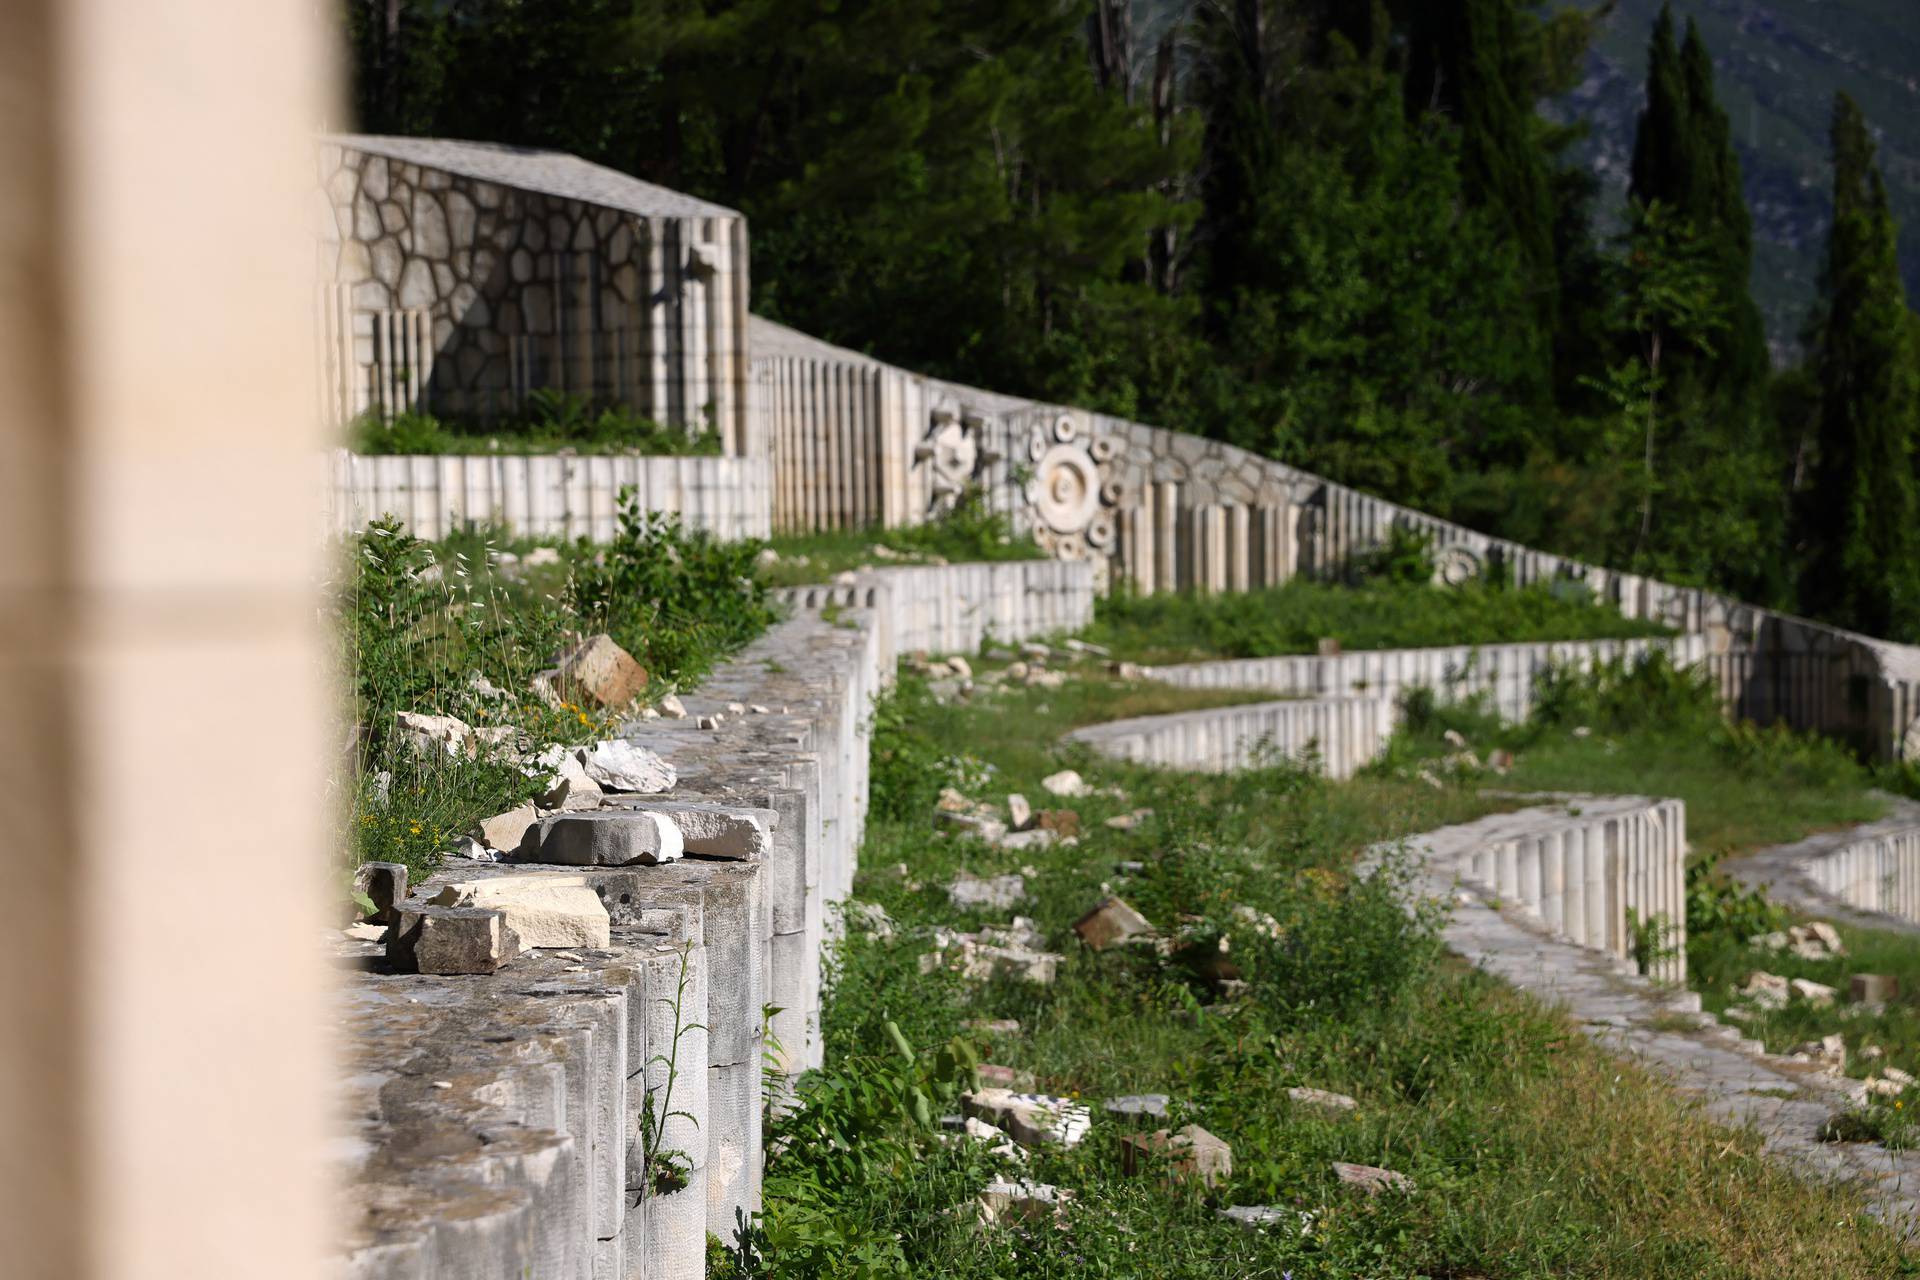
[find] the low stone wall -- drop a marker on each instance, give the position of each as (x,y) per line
(1583,869)
(1878,870)
(496,1120)
(1506,673)
(1345,733)
(955,608)
(545,495)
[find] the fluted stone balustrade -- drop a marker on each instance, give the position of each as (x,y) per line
(954,608)
(497,1119)
(544,495)
(1342,734)
(1505,673)
(1588,869)
(1879,871)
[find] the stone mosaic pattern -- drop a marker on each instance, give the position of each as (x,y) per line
(468,275)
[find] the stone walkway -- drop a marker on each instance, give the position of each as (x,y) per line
(1776,871)
(1733,1080)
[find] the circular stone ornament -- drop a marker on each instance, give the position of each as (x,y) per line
(1066,489)
(1455,566)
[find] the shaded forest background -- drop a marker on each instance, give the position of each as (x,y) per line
(1338,233)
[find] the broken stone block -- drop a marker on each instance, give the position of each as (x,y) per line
(982,963)
(951,801)
(1768,990)
(1255,1216)
(450,940)
(385,883)
(1827,936)
(1152,1106)
(1899,1077)
(1110,923)
(1019,812)
(960,667)
(1500,760)
(1370,1179)
(506,831)
(1184,1154)
(1455,739)
(1812,992)
(998,1143)
(714,830)
(599,670)
(1061,822)
(991,1075)
(366,931)
(869,918)
(550,909)
(433,735)
(1873,988)
(996,892)
(618,765)
(1829,1051)
(1067,783)
(1021,1201)
(1300,1095)
(569,782)
(1030,1119)
(1034,839)
(671,707)
(609,838)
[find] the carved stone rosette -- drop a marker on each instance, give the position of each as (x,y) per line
(1074,491)
(1455,566)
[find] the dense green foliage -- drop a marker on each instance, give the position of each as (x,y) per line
(1370,615)
(969,532)
(441,629)
(549,421)
(1338,234)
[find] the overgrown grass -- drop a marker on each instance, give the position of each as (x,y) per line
(549,422)
(1534,1154)
(968,533)
(1377,614)
(442,630)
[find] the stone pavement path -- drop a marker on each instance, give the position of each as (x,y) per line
(1776,871)
(1662,1028)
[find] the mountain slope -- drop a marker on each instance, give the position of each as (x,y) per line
(1777,67)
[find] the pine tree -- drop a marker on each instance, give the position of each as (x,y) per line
(1863,567)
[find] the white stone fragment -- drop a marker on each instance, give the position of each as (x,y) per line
(551,909)
(618,765)
(1067,782)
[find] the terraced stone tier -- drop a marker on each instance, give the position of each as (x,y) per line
(1869,874)
(1346,733)
(496,1120)
(953,608)
(1505,672)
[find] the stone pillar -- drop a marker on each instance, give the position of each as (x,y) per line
(163,1068)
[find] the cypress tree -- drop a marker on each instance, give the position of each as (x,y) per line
(1660,160)
(1863,567)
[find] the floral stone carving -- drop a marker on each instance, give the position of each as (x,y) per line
(1074,489)
(1454,566)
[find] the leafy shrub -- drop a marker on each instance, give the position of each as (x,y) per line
(908,765)
(1626,695)
(1405,559)
(676,599)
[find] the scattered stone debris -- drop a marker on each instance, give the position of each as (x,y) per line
(671,707)
(506,831)
(1187,1153)
(1767,990)
(1455,739)
(997,951)
(713,830)
(385,883)
(598,669)
(1258,921)
(429,735)
(1021,1201)
(998,893)
(1370,1179)
(1087,646)
(1873,988)
(1019,812)
(618,765)
(471,850)
(1321,1098)
(973,1129)
(569,785)
(1128,821)
(1030,1119)
(1111,922)
(549,909)
(366,931)
(609,838)
(1151,1106)
(1876,1087)
(1127,670)
(870,918)
(1062,824)
(1129,868)
(450,940)
(1067,784)
(1816,941)
(1812,992)
(1255,1216)
(1829,1051)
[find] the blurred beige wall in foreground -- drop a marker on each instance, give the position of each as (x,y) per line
(162,705)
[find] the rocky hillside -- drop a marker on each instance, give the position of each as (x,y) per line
(1779,65)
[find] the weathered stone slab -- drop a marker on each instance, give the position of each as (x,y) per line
(599,670)
(619,765)
(450,940)
(714,830)
(543,909)
(1110,923)
(609,838)
(1186,1153)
